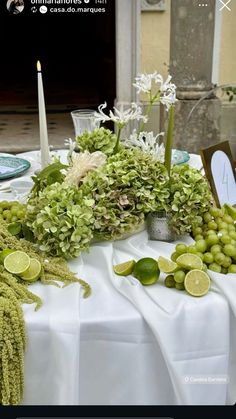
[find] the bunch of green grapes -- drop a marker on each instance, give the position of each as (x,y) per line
(215,241)
(12,211)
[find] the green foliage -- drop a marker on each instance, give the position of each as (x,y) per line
(51,174)
(100,139)
(130,185)
(61,220)
(231,92)
(190,198)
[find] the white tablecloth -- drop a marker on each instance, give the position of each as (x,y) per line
(137,345)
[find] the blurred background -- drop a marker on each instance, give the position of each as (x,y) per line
(87,59)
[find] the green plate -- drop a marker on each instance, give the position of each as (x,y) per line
(12,166)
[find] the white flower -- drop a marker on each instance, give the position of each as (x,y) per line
(144,82)
(148,143)
(166,91)
(82,163)
(120,117)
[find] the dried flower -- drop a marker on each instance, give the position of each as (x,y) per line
(82,163)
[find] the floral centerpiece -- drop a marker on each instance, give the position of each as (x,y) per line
(113,183)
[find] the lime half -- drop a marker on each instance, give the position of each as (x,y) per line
(167,266)
(17,262)
(33,272)
(189,261)
(125,268)
(197,283)
(147,271)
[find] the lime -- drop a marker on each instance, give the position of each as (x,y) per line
(166,265)
(125,268)
(169,281)
(197,283)
(4,253)
(17,262)
(147,271)
(33,272)
(189,261)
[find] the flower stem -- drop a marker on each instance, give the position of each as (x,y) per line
(169,139)
(117,141)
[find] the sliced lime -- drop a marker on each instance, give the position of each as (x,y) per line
(197,283)
(125,268)
(17,262)
(33,272)
(189,261)
(166,265)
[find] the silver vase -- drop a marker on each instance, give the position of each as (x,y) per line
(158,227)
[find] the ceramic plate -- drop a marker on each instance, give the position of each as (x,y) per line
(11,166)
(179,157)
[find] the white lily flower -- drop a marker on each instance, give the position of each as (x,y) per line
(120,117)
(148,143)
(144,82)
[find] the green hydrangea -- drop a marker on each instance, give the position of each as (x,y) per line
(61,220)
(100,139)
(190,198)
(130,185)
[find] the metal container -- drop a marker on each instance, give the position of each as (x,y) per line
(158,227)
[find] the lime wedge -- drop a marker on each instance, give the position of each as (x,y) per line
(33,272)
(4,253)
(189,261)
(125,268)
(146,270)
(197,283)
(17,262)
(166,265)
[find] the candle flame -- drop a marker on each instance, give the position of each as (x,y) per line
(38,66)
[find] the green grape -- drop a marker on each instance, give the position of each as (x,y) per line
(200,254)
(207,217)
(224,270)
(179,276)
(4,204)
(223,226)
(169,281)
(231,228)
(191,249)
(232,269)
(216,248)
(180,286)
(228,219)
(174,256)
(14,210)
(227,262)
(215,267)
(181,248)
(212,225)
(212,239)
(215,212)
(209,232)
(201,245)
(226,239)
(229,250)
(222,232)
(197,230)
(199,237)
(219,258)
(208,258)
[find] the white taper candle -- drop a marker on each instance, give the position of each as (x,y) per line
(43,132)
